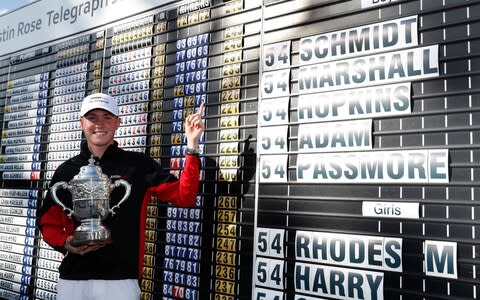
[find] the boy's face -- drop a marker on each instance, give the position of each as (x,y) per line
(99,127)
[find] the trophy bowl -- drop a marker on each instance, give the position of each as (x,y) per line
(90,190)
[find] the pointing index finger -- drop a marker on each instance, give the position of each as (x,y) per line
(201,109)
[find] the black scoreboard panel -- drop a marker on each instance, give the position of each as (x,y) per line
(339,159)
(341,214)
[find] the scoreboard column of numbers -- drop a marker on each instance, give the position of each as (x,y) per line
(158,88)
(181,274)
(129,81)
(191,74)
(98,63)
(274,113)
(70,85)
(17,235)
(24,116)
(226,231)
(46,282)
(230,97)
(269,264)
(147,284)
(181,265)
(226,247)
(230,103)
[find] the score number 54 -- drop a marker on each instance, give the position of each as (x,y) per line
(273,168)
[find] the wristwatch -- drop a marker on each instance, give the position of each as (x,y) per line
(193,151)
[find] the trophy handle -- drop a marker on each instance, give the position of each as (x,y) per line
(128,188)
(53,190)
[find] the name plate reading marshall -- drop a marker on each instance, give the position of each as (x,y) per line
(410,64)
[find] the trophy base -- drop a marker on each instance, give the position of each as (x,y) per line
(84,242)
(91,235)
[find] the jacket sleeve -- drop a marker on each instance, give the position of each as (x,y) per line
(182,192)
(53,223)
(56,226)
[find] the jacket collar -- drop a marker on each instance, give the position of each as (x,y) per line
(86,154)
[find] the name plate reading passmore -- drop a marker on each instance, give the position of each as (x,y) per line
(403,166)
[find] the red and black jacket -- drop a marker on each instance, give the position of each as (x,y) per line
(122,258)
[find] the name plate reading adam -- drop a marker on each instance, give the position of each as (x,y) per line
(390,210)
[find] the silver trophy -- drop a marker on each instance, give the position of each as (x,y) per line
(90,190)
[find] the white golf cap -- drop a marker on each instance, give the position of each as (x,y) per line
(99,101)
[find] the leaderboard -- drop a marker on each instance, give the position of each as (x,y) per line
(17,235)
(342,214)
(159,67)
(225,243)
(129,80)
(180,87)
(24,119)
(134,62)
